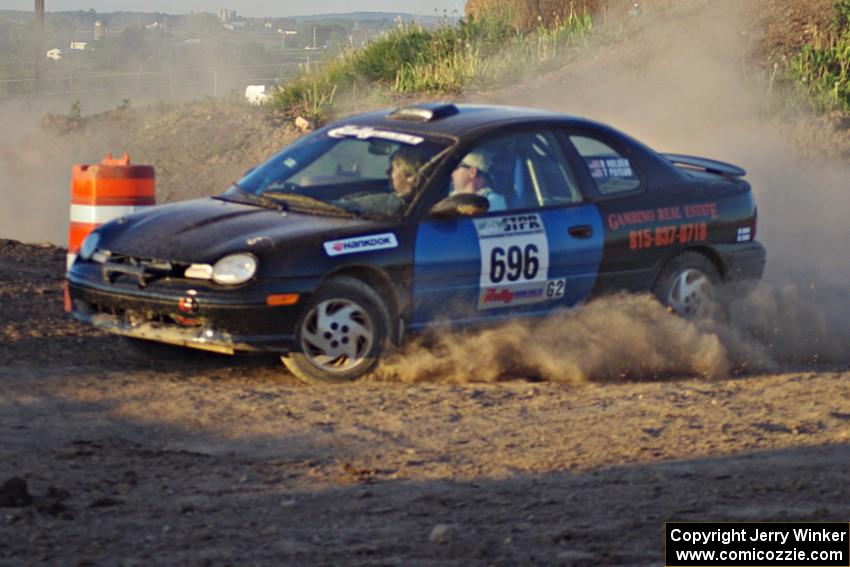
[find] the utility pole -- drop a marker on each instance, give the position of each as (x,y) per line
(39,43)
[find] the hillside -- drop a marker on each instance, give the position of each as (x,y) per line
(199,148)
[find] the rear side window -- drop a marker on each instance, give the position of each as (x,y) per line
(611,170)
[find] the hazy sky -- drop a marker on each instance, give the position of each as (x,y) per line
(246,7)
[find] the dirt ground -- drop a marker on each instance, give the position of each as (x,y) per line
(196,459)
(188,458)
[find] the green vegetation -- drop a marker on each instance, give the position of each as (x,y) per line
(411,60)
(822,69)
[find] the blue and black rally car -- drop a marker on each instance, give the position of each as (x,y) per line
(384,223)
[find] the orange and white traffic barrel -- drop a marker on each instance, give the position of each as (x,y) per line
(104,192)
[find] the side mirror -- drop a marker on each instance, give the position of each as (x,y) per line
(460,205)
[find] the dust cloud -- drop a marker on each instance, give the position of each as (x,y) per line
(34,196)
(634,337)
(36,161)
(617,337)
(681,82)
(35,170)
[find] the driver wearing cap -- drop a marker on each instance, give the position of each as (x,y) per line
(472,175)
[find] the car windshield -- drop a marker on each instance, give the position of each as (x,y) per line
(350,170)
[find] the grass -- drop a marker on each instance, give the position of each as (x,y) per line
(411,59)
(821,70)
(480,53)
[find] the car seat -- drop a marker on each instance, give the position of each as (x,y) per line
(500,177)
(523,195)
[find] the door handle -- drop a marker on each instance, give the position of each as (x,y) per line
(581,231)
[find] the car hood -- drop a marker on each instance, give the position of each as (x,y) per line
(204,230)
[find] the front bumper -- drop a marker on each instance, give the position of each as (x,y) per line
(221,321)
(203,339)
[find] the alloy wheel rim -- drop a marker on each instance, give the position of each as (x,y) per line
(690,295)
(337,335)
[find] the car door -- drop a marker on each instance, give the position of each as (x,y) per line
(540,251)
(639,227)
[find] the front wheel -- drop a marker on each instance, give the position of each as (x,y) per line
(687,285)
(341,333)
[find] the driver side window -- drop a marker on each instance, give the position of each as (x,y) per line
(517,172)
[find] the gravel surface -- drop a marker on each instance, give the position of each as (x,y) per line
(188,458)
(623,418)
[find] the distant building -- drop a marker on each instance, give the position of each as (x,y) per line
(55,54)
(226,15)
(100,30)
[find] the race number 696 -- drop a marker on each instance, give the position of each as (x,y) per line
(514,263)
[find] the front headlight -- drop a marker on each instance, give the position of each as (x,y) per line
(89,245)
(234,269)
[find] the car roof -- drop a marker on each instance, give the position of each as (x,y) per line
(462,121)
(456,120)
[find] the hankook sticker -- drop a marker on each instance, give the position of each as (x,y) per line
(357,244)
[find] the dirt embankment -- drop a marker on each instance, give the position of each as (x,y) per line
(197,149)
(193,459)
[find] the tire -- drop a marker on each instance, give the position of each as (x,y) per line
(688,287)
(341,333)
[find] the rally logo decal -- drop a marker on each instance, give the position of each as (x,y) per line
(514,262)
(367,133)
(368,243)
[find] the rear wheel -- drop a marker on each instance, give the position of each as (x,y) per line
(687,285)
(341,334)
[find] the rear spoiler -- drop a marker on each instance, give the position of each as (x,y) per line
(707,165)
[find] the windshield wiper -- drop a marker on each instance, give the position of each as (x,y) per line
(288,199)
(249,198)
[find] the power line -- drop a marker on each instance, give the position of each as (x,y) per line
(135,87)
(148,73)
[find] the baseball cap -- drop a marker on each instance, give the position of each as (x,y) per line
(478,160)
